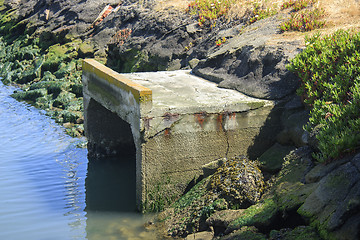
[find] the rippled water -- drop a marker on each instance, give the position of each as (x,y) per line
(45,185)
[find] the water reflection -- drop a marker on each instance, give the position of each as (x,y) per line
(42,183)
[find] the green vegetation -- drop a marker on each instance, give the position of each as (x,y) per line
(329,69)
(209,10)
(302,19)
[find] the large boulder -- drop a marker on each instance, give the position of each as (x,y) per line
(252,64)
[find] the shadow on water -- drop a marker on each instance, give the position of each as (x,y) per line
(110,184)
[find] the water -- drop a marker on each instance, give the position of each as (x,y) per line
(46,190)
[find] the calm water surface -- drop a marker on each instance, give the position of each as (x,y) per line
(46,189)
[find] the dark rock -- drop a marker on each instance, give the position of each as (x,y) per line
(296,165)
(334,201)
(250,65)
(272,160)
(293,133)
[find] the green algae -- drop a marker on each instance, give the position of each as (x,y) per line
(259,215)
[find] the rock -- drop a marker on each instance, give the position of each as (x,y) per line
(210,168)
(245,233)
(63,99)
(31,95)
(272,160)
(290,196)
(334,201)
(313,141)
(251,66)
(296,165)
(220,220)
(52,87)
(238,180)
(298,233)
(321,170)
(261,215)
(200,236)
(86,49)
(293,132)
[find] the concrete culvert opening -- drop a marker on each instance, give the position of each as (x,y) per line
(111,180)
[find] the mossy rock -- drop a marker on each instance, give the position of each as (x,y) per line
(30,95)
(58,54)
(77,89)
(260,215)
(43,102)
(65,69)
(63,99)
(86,49)
(48,76)
(298,233)
(52,87)
(296,165)
(290,196)
(272,160)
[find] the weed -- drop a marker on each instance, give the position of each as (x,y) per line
(220,41)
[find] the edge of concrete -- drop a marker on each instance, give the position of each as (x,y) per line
(141,93)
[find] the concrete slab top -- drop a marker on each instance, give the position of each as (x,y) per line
(182,92)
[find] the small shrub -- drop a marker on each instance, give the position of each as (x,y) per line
(329,69)
(261,12)
(297,5)
(306,20)
(209,10)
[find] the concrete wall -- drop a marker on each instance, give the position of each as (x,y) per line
(173,138)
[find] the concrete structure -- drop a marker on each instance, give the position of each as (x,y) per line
(174,122)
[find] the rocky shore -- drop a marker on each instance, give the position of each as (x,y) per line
(284,194)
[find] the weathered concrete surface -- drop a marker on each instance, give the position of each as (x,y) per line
(178,121)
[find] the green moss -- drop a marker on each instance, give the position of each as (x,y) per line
(31,95)
(290,196)
(195,193)
(261,214)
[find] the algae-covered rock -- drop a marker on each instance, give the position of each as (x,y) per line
(238,180)
(30,95)
(260,215)
(64,99)
(296,165)
(52,87)
(290,196)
